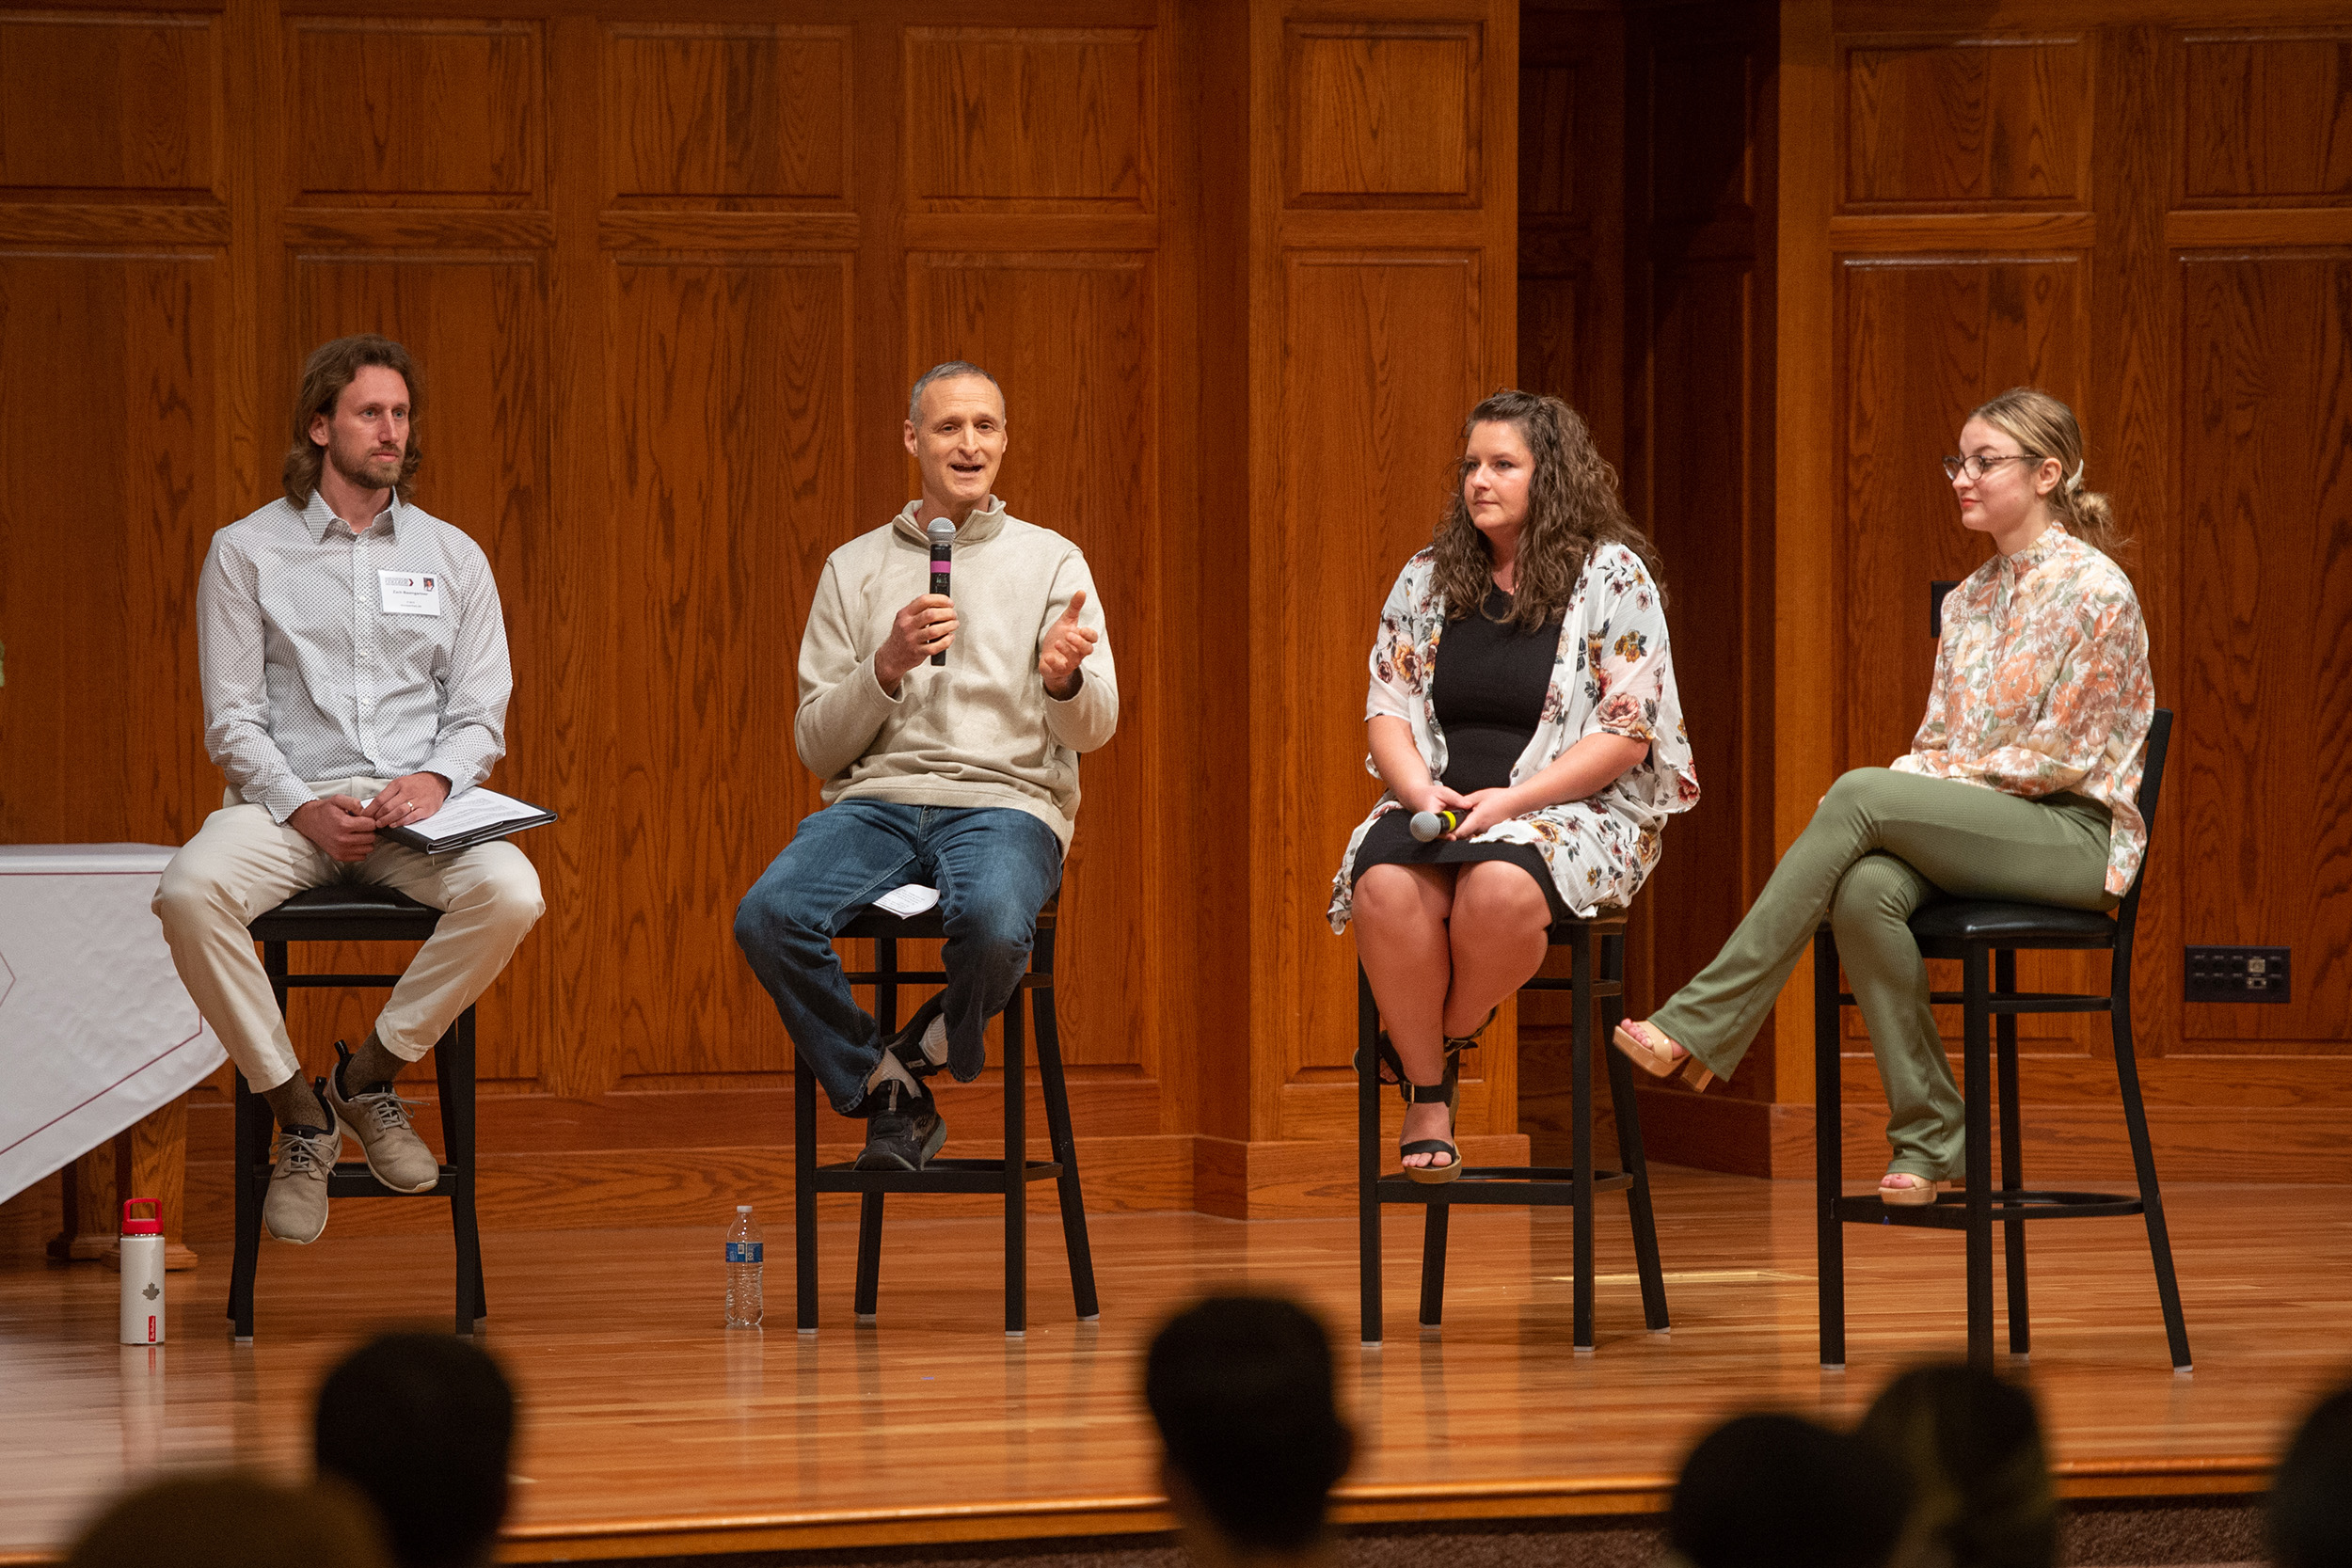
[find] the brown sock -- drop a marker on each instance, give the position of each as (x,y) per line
(296,1104)
(370,1069)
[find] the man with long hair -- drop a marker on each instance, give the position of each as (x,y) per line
(947,730)
(353,658)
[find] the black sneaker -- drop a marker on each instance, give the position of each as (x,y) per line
(904,1130)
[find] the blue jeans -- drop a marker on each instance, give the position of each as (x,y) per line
(994,867)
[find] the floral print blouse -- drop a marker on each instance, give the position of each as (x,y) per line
(2041,684)
(1613,672)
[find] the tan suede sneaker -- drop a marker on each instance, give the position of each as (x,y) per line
(295,1208)
(380,1119)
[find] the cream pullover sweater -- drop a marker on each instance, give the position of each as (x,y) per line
(980,730)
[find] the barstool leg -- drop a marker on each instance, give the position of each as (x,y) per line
(1586,1009)
(1016,1177)
(1829,1154)
(1978,1053)
(252,1152)
(2012,1161)
(1433,1234)
(1065,1143)
(1623,1102)
(454,1068)
(2144,1164)
(1367,1157)
(869,1218)
(804,1194)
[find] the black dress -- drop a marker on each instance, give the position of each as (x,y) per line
(1487,700)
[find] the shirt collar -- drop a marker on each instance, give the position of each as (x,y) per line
(2041,549)
(319,517)
(986,521)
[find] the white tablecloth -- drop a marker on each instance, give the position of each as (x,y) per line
(96,1030)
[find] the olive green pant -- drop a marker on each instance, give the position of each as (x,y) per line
(1881,846)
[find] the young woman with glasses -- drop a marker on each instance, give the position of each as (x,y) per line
(2021,785)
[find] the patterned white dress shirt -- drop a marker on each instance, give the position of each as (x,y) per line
(316,668)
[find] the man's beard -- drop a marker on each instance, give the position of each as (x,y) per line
(370,473)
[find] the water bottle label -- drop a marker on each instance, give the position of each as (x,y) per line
(746,1252)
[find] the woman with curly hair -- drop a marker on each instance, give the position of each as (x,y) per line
(1551,728)
(2022,784)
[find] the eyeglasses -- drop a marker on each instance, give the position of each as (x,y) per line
(1975,465)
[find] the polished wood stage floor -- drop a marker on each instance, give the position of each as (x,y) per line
(651,1430)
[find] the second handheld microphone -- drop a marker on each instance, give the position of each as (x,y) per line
(942,536)
(1429,825)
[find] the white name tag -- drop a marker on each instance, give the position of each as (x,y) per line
(410,593)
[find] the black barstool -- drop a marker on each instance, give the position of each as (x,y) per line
(1010,1175)
(1597,979)
(356,912)
(1973,930)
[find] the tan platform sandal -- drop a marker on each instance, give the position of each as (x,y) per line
(1660,1056)
(1916,1191)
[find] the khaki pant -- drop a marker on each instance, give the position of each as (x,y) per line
(241,865)
(1881,846)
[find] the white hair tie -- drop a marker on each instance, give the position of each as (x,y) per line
(2075,481)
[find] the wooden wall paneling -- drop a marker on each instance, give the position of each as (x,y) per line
(1985,123)
(98,557)
(1807,471)
(1382,305)
(2265,120)
(1073,340)
(1212,550)
(2131,413)
(1385,362)
(109,102)
(1030,119)
(1697,76)
(734,117)
(719,544)
(1382,114)
(1572,211)
(1697,467)
(482,144)
(2266,384)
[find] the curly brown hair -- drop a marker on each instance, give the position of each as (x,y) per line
(331,368)
(1572,507)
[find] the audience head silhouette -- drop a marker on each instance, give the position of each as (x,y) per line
(1241,1388)
(1982,1495)
(231,1520)
(1780,1492)
(421,1424)
(2309,1521)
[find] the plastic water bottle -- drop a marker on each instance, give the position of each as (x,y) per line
(743,1265)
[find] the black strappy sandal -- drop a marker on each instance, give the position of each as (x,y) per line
(1455,1046)
(1441,1093)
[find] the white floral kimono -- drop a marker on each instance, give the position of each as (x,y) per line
(1613,673)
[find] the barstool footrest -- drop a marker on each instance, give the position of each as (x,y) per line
(939,1176)
(1529,1186)
(1950,1212)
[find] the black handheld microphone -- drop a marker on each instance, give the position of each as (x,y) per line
(1429,825)
(943,535)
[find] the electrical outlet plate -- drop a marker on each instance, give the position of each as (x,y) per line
(2239,974)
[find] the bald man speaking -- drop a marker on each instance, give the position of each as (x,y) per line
(959,771)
